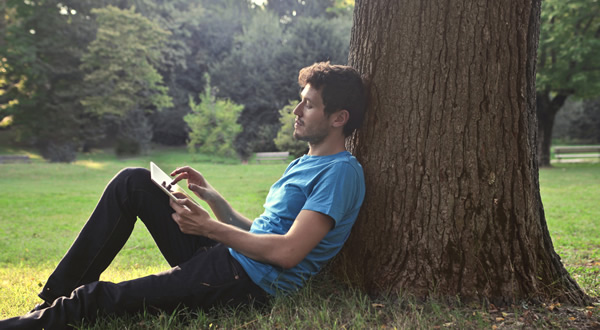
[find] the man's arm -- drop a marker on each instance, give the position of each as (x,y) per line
(285,251)
(227,214)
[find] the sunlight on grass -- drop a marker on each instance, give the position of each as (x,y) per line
(91,164)
(19,285)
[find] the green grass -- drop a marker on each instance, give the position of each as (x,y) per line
(571,198)
(43,206)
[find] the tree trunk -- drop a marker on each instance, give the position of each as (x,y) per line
(453,204)
(546,110)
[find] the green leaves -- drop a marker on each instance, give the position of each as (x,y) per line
(120,64)
(568,60)
(213,124)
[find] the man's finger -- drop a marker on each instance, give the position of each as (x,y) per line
(179,194)
(182,210)
(191,205)
(183,169)
(179,177)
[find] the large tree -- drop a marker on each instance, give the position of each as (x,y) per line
(448,147)
(121,80)
(569,61)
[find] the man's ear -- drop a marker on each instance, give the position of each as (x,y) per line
(340,118)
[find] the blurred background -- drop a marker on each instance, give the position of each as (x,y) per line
(220,75)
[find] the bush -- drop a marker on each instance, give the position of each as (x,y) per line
(64,152)
(285,140)
(213,124)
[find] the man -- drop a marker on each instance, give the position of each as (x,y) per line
(308,216)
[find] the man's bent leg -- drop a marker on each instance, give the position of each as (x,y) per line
(129,195)
(209,278)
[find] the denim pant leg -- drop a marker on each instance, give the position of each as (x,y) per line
(129,195)
(211,277)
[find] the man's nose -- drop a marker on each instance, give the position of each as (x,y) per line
(298,109)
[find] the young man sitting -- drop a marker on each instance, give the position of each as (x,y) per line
(308,216)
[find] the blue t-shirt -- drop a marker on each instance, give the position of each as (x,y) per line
(333,185)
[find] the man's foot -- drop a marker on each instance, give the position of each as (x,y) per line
(39,307)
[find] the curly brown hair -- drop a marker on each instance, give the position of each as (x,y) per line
(342,87)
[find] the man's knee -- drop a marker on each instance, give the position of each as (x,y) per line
(133,175)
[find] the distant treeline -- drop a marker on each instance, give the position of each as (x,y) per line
(78,74)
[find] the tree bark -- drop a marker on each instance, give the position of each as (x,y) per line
(546,110)
(453,204)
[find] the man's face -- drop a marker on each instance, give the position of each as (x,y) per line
(312,125)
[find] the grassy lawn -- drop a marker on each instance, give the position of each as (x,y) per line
(43,206)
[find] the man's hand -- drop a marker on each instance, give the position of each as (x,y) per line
(196,183)
(220,207)
(190,217)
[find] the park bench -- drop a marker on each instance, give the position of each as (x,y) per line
(14,159)
(577,152)
(262,156)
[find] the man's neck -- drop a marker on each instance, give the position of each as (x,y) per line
(331,145)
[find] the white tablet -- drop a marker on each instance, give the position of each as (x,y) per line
(163,181)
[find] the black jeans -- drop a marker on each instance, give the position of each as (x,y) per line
(204,274)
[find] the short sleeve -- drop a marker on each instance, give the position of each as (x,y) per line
(336,192)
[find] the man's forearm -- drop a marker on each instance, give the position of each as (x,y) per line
(269,248)
(227,214)
(285,250)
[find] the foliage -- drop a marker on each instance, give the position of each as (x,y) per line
(568,61)
(342,7)
(570,111)
(252,53)
(578,122)
(586,128)
(568,64)
(39,74)
(180,65)
(285,140)
(213,124)
(134,133)
(261,71)
(204,32)
(248,76)
(121,80)
(64,152)
(120,64)
(289,10)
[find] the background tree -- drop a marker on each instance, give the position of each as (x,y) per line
(568,61)
(247,76)
(181,73)
(213,124)
(252,53)
(452,205)
(40,63)
(289,10)
(121,77)
(261,71)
